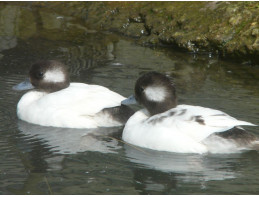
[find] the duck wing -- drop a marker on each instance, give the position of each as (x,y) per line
(195,121)
(82,99)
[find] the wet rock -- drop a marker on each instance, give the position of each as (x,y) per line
(136,30)
(235,20)
(255,45)
(255,32)
(136,19)
(230,28)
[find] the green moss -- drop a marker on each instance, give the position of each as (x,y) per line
(222,26)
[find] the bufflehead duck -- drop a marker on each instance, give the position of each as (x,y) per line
(165,126)
(56,102)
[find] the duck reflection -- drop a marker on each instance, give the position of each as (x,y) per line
(72,141)
(194,168)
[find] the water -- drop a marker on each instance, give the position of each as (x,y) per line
(47,160)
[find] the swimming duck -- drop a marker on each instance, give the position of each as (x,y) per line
(165,126)
(54,101)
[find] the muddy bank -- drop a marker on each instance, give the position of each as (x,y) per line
(228,29)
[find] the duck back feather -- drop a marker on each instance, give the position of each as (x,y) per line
(181,129)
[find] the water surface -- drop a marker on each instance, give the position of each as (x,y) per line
(47,160)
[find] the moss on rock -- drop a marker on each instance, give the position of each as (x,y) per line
(227,28)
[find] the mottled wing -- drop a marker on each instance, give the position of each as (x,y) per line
(196,122)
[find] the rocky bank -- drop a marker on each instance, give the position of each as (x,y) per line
(229,29)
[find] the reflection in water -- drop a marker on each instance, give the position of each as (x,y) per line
(61,141)
(185,167)
(37,28)
(72,141)
(7,42)
(149,181)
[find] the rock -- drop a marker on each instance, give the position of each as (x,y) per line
(136,30)
(230,28)
(235,20)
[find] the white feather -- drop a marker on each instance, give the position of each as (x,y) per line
(155,93)
(178,129)
(55,76)
(74,107)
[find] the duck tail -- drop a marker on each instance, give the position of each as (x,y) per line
(244,123)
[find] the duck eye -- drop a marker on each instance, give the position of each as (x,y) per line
(141,89)
(40,74)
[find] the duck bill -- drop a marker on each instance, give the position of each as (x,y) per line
(129,101)
(25,85)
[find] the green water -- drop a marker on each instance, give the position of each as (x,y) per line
(45,160)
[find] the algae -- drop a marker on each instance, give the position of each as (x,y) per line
(228,29)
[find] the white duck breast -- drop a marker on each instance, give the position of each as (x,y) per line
(181,129)
(74,107)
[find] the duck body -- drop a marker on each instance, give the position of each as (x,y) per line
(59,103)
(165,126)
(77,106)
(181,129)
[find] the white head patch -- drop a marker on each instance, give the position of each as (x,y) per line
(54,76)
(155,93)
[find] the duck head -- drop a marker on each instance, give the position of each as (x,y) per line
(46,75)
(155,92)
